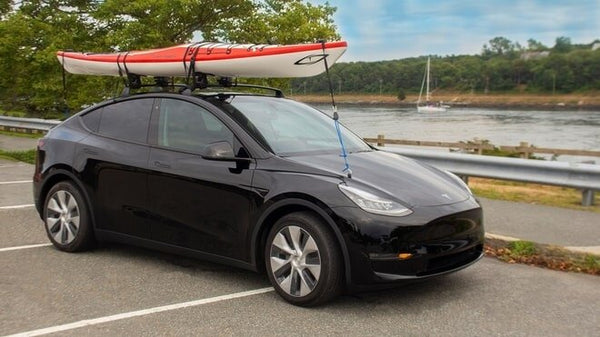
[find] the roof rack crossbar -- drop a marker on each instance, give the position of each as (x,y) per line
(228,82)
(199,81)
(278,92)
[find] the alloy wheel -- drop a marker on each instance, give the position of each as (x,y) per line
(62,218)
(295,261)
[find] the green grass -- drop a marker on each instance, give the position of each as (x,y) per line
(21,134)
(555,196)
(521,248)
(496,152)
(24,156)
(13,113)
(591,262)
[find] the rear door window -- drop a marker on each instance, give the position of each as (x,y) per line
(127,120)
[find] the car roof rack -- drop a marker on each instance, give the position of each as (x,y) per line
(229,82)
(198,81)
(160,84)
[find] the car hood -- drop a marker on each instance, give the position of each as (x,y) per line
(413,183)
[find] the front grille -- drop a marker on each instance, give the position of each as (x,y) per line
(452,261)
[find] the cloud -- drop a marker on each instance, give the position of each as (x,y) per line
(387,29)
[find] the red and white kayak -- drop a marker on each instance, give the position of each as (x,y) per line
(220,59)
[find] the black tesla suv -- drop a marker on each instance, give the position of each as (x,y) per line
(256,182)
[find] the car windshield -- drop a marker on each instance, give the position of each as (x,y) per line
(289,128)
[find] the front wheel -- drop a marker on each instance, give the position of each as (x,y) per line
(303,260)
(66,218)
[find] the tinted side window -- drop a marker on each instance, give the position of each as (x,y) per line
(186,126)
(92,119)
(127,120)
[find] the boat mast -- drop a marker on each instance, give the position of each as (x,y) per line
(422,86)
(427,97)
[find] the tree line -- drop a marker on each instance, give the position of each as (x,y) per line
(502,66)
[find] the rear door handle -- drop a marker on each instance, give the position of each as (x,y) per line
(161,164)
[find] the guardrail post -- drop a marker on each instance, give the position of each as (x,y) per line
(465,179)
(587,197)
(380,140)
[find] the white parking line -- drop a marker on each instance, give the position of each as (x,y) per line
(15,182)
(17,206)
(8,249)
(105,319)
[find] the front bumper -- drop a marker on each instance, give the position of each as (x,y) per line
(437,240)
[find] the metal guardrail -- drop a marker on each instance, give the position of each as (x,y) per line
(581,176)
(524,149)
(27,124)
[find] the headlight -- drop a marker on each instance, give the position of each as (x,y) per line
(459,181)
(374,204)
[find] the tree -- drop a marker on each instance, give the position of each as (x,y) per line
(401,95)
(562,44)
(499,46)
(31,76)
(5,6)
(30,35)
(157,23)
(283,22)
(534,45)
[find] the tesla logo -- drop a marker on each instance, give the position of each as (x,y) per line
(446,196)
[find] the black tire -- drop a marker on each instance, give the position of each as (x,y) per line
(298,280)
(66,218)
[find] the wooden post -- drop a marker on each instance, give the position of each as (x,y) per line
(380,140)
(524,153)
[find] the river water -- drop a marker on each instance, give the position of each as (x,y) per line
(579,130)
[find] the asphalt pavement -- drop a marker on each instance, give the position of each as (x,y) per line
(574,229)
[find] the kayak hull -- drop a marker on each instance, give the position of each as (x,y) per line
(216,59)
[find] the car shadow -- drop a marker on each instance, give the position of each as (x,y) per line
(420,295)
(172,261)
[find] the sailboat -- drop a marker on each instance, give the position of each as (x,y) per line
(428,107)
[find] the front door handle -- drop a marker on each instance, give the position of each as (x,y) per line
(161,164)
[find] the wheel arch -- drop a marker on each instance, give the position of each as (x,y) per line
(289,204)
(55,175)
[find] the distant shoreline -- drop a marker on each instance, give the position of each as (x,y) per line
(588,101)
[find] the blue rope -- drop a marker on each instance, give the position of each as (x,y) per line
(335,115)
(344,153)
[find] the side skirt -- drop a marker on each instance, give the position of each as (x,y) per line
(110,236)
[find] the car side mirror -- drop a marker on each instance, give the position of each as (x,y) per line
(222,151)
(218,151)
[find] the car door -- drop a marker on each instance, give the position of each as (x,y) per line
(197,203)
(113,165)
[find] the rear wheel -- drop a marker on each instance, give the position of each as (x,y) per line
(66,218)
(303,260)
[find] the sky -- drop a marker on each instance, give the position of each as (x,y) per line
(395,29)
